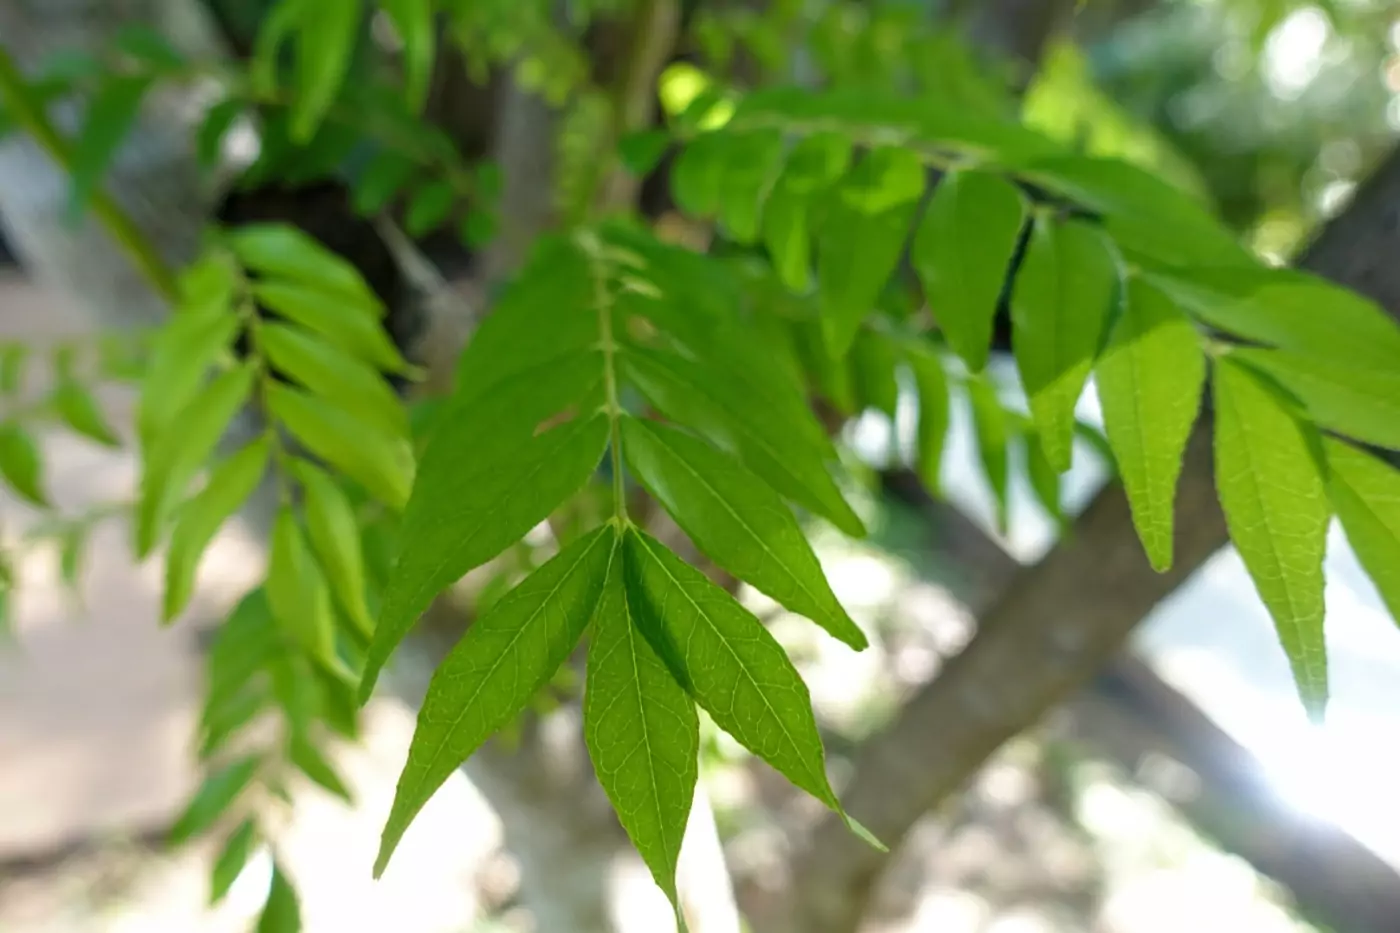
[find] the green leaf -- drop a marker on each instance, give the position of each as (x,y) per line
(1044,481)
(325,46)
(771,445)
(461,516)
(21,464)
(282,912)
(1059,308)
(1149,381)
(335,535)
(641,151)
(13,357)
(861,236)
(414,23)
(310,762)
(384,177)
(727,661)
(962,253)
(110,116)
(736,520)
(429,208)
(752,162)
(183,352)
(993,431)
(697,176)
(232,859)
(503,660)
(278,251)
(931,381)
(380,462)
(218,120)
(1365,491)
(325,313)
(213,798)
(1277,514)
(198,520)
(642,731)
(177,454)
(874,359)
(1351,397)
(814,165)
(297,592)
(330,372)
(79,410)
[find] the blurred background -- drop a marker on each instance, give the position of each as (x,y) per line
(1184,789)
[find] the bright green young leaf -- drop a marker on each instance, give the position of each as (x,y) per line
(335,536)
(466,510)
(328,371)
(198,520)
(865,222)
(962,253)
(177,454)
(21,465)
(931,381)
(1149,381)
(327,314)
(297,591)
(771,446)
(325,45)
(212,800)
(1276,509)
(382,180)
(1350,397)
(1365,491)
(232,859)
(502,661)
(737,520)
(874,358)
(429,208)
(1059,307)
(281,251)
(991,426)
(110,116)
(414,23)
(727,661)
(642,731)
(751,164)
(184,351)
(282,912)
(310,762)
(380,462)
(79,410)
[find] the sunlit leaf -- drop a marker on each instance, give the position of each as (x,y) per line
(213,798)
(335,536)
(282,911)
(1365,491)
(232,859)
(339,377)
(1351,397)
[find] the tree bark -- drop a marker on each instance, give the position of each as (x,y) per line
(1057,624)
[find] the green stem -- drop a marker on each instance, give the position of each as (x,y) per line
(30,116)
(612,404)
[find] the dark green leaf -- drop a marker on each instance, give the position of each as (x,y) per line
(506,656)
(380,462)
(1350,397)
(641,729)
(414,22)
(737,520)
(381,181)
(932,383)
(861,236)
(1276,509)
(727,661)
(232,859)
(478,228)
(330,372)
(429,208)
(752,162)
(78,409)
(213,798)
(280,251)
(874,358)
(21,465)
(198,520)
(1149,381)
(209,138)
(325,46)
(1365,491)
(335,535)
(1059,307)
(990,424)
(962,253)
(282,912)
(640,152)
(177,455)
(148,46)
(462,516)
(110,116)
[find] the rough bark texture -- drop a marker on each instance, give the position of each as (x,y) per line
(1058,622)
